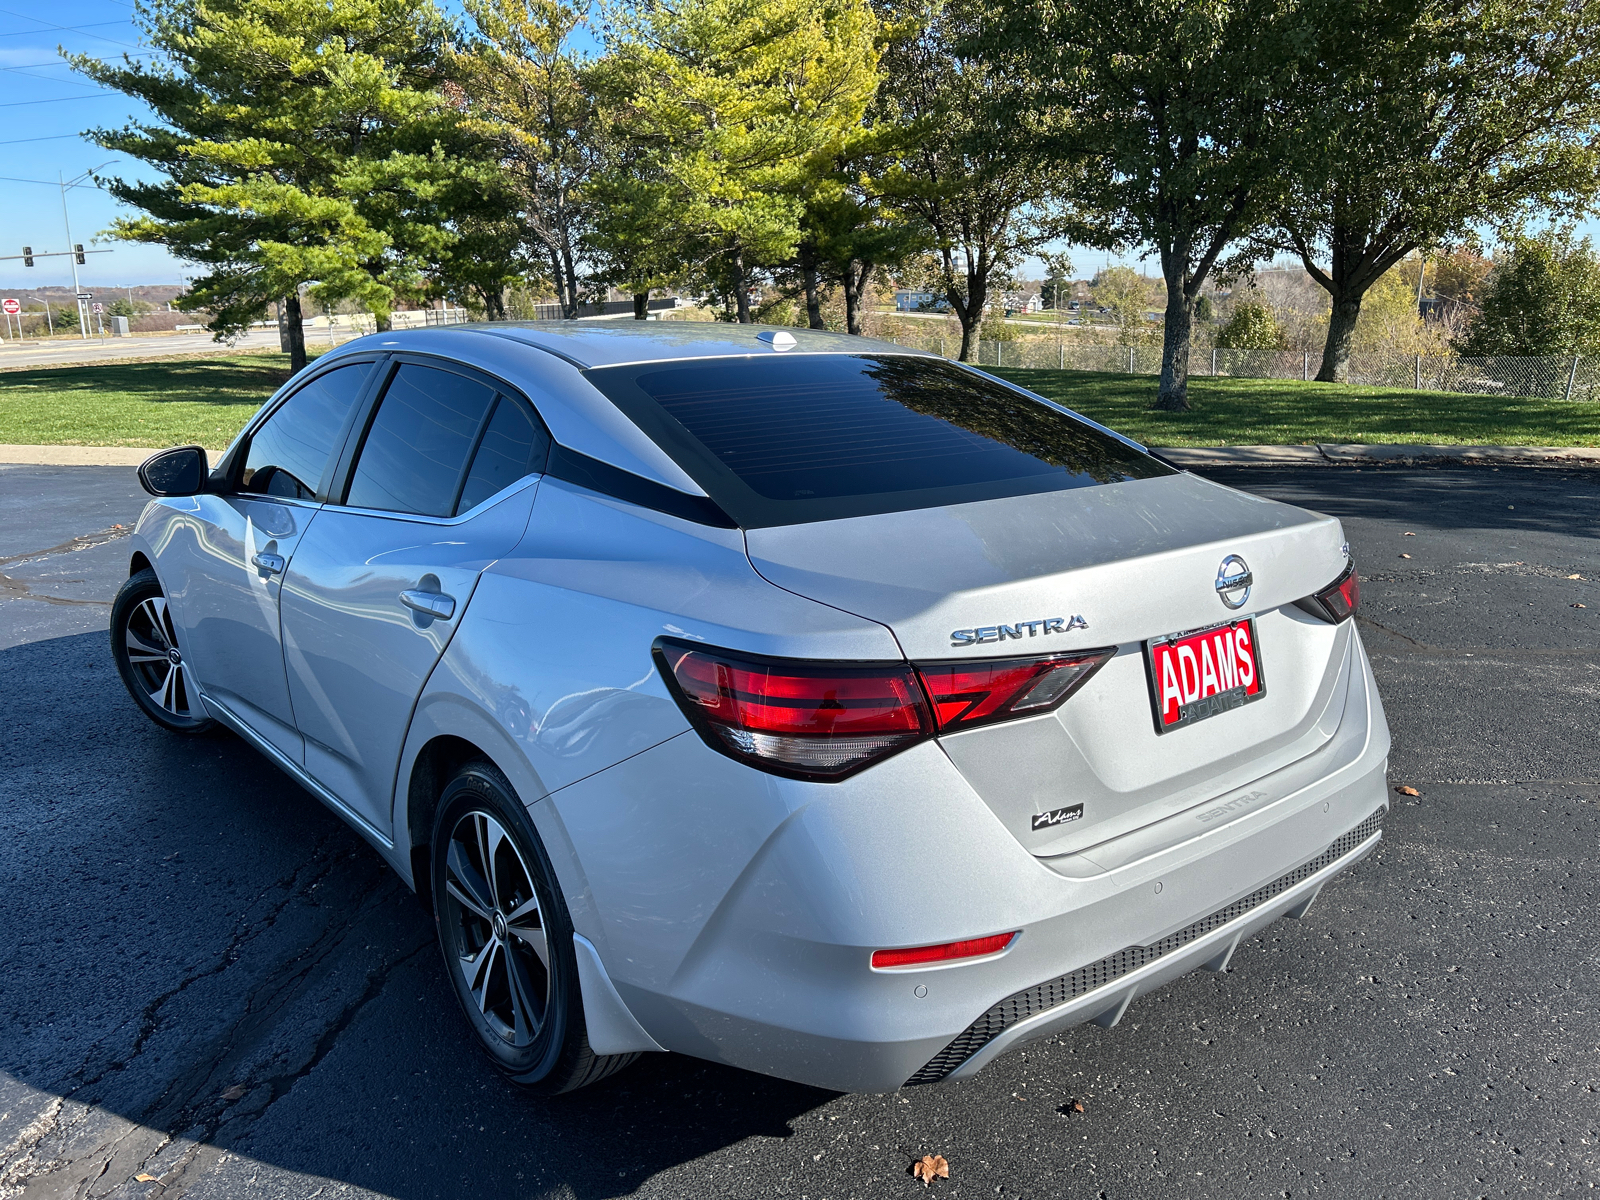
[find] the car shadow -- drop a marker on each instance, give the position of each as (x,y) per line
(1512,498)
(202,950)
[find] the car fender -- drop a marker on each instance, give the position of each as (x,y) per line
(443,711)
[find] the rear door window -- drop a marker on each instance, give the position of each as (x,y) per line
(783,440)
(417,445)
(514,444)
(292,448)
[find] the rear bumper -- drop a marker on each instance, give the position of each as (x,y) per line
(1102,991)
(736,913)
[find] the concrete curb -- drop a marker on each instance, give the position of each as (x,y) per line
(1334,454)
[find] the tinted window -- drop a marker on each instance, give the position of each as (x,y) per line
(815,437)
(418,443)
(512,446)
(290,451)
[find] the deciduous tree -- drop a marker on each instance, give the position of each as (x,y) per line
(979,188)
(739,100)
(1178,112)
(1428,120)
(530,102)
(1543,298)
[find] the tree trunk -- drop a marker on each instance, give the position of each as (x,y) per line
(291,332)
(813,283)
(383,322)
(1177,333)
(855,281)
(571,282)
(741,289)
(1341,333)
(641,306)
(494,303)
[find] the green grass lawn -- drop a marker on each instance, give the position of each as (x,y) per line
(165,402)
(1242,412)
(206,400)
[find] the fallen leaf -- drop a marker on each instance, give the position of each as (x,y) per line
(1408,533)
(1408,791)
(929,1167)
(236,1092)
(1574,576)
(1077,1106)
(1580,606)
(1405,556)
(1511,508)
(142,1178)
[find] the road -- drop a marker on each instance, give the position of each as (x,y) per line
(75,351)
(207,979)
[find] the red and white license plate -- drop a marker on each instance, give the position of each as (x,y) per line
(1198,675)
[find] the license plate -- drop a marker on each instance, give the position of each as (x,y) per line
(1202,673)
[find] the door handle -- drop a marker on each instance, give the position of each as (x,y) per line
(429,604)
(272,564)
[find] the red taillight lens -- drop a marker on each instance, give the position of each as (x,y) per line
(809,720)
(1339,599)
(920,955)
(965,694)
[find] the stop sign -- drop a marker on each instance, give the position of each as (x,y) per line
(11,306)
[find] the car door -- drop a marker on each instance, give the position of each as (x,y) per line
(223,561)
(441,484)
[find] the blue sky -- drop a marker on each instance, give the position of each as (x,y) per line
(47,106)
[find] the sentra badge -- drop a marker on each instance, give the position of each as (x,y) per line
(985,634)
(1057,816)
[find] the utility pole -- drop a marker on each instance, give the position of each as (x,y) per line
(83,324)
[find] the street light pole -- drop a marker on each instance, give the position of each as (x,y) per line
(83,325)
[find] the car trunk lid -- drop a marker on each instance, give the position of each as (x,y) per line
(1109,566)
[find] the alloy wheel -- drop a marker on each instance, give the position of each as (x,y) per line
(157,663)
(501,948)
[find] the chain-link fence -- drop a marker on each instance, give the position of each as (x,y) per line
(1561,378)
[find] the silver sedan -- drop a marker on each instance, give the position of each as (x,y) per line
(786,699)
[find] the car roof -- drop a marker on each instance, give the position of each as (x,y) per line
(598,343)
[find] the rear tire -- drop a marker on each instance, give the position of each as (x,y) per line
(144,644)
(506,936)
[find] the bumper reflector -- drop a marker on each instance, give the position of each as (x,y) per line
(917,956)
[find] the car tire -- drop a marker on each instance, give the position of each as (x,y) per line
(144,645)
(506,936)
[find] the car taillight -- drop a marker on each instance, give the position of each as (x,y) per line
(828,720)
(966,694)
(1338,600)
(808,720)
(917,956)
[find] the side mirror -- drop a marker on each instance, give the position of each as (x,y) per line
(179,472)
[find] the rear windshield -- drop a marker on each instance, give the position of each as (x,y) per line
(780,441)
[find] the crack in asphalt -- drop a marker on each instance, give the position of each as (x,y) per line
(84,541)
(190,1101)
(12,588)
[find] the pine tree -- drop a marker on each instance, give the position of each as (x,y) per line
(297,140)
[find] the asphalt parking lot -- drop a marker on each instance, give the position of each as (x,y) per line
(207,980)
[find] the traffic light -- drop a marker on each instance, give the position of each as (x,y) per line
(78,250)
(27,256)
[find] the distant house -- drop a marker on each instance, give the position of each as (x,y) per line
(1016,302)
(907,301)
